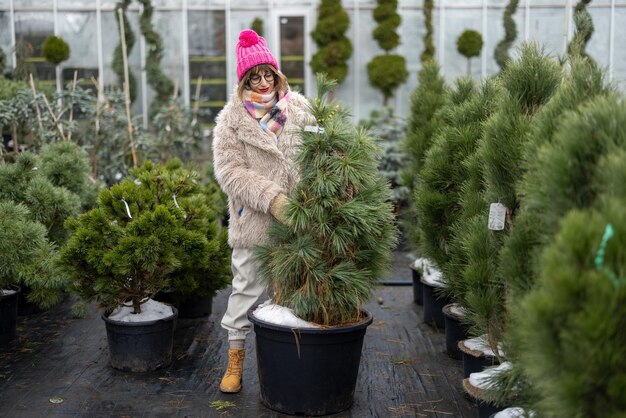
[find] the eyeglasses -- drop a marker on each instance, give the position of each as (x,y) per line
(256,78)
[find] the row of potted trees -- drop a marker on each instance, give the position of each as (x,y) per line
(506,165)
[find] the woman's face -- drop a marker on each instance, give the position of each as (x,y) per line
(262,82)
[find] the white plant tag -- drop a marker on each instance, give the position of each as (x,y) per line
(176,202)
(127,209)
(497,216)
(314,129)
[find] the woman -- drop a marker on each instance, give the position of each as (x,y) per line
(253,148)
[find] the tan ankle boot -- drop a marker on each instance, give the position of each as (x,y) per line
(231,382)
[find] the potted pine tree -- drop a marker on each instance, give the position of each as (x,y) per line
(21,240)
(145,234)
(324,266)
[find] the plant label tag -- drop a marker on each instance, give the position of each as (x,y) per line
(497,216)
(314,129)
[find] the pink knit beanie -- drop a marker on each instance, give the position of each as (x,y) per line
(251,51)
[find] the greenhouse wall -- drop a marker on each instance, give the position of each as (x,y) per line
(199,39)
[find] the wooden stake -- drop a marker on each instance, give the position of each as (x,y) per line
(54,118)
(69,135)
(127,87)
(32,87)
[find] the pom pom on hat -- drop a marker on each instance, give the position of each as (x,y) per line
(248,38)
(252,51)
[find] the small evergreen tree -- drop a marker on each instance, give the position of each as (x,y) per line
(334,47)
(436,192)
(387,72)
(23,66)
(584,29)
(325,264)
(118,60)
(148,233)
(429,96)
(469,44)
(572,324)
(20,241)
(429,47)
(161,83)
(501,53)
(257,26)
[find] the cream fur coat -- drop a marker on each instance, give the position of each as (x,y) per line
(253,166)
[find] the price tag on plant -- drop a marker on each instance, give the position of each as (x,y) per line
(497,216)
(314,129)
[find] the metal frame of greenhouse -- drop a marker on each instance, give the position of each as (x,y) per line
(212,26)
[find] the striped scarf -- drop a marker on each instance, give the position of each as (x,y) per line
(270,111)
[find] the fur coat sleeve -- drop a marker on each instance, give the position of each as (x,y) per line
(253,166)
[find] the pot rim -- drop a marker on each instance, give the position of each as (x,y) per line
(10,286)
(338,329)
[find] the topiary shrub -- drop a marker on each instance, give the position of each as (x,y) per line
(55,50)
(118,61)
(258,26)
(334,47)
(429,47)
(387,72)
(469,44)
(501,53)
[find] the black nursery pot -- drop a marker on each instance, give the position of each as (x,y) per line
(140,346)
(24,307)
(455,331)
(417,286)
(487,409)
(308,371)
(8,316)
(189,306)
(433,306)
(474,362)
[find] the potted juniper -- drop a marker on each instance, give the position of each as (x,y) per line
(323,266)
(146,233)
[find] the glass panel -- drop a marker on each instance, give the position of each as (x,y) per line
(76,4)
(31,30)
(30,4)
(79,31)
(5,5)
(546,27)
(292,50)
(5,39)
(495,34)
(207,59)
(598,46)
(619,58)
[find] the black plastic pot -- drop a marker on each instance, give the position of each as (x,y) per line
(455,331)
(433,306)
(487,409)
(8,315)
(24,307)
(417,286)
(309,371)
(140,346)
(473,362)
(191,306)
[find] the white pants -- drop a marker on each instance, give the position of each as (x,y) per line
(246,291)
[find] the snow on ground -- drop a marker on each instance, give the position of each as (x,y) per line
(513,413)
(150,311)
(458,311)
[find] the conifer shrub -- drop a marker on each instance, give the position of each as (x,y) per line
(55,50)
(387,72)
(325,264)
(258,26)
(22,243)
(150,232)
(571,325)
(334,47)
(429,96)
(584,30)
